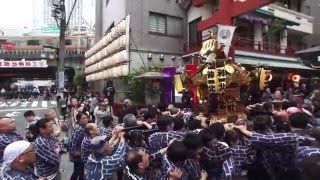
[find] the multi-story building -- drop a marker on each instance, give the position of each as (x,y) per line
(268,31)
(157,29)
(27,57)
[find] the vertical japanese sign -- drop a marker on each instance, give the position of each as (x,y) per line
(212,79)
(222,77)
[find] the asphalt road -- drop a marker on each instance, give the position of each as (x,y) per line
(15,110)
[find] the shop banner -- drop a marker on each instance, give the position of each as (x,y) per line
(23,64)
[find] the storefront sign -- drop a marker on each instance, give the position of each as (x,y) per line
(23,64)
(253,19)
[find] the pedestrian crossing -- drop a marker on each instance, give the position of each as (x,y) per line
(28,104)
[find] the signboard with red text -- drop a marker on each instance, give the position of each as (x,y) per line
(23,64)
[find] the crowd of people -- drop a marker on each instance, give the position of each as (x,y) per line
(166,142)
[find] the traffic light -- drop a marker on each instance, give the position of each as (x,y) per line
(265,78)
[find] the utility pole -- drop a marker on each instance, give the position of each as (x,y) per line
(62,45)
(59,13)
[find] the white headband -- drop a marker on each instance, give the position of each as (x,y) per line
(12,151)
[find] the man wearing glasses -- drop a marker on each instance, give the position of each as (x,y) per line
(8,134)
(19,158)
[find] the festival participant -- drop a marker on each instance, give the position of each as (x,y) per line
(102,164)
(194,145)
(159,140)
(174,159)
(19,158)
(75,142)
(107,127)
(138,163)
(214,155)
(51,115)
(286,144)
(8,134)
(47,151)
(92,131)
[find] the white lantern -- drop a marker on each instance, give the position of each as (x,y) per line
(104,41)
(109,38)
(122,27)
(113,33)
(123,41)
(106,51)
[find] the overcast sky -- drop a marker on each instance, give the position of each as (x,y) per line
(16,13)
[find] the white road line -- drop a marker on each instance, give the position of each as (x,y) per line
(25,109)
(14,104)
(34,104)
(3,104)
(25,104)
(44,104)
(53,102)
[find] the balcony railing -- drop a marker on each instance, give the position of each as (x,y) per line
(36,51)
(249,45)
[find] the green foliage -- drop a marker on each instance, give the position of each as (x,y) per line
(275,27)
(79,80)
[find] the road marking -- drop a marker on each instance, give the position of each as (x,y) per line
(25,104)
(13,114)
(3,105)
(44,104)
(26,109)
(53,102)
(14,104)
(34,104)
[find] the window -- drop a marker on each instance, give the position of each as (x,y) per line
(33,42)
(194,35)
(174,26)
(157,23)
(165,25)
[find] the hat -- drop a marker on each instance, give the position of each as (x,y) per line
(98,144)
(12,151)
(130,120)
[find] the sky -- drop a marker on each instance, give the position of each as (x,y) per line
(16,13)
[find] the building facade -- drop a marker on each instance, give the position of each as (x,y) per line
(157,30)
(268,32)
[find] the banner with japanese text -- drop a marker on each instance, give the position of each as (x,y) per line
(23,64)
